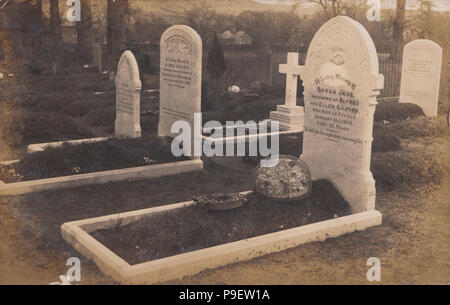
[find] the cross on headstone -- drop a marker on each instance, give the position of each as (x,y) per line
(292,71)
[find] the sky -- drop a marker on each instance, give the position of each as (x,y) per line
(440,5)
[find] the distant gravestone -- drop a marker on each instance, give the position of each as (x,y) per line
(421,74)
(180,77)
(97,57)
(341,82)
(128,89)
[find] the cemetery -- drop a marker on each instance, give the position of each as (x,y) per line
(89,167)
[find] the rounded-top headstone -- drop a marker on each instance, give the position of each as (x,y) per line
(180,77)
(290,179)
(128,88)
(341,80)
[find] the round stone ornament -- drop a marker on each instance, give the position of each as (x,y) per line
(289,180)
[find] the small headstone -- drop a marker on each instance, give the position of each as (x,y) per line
(421,74)
(2,76)
(341,81)
(180,78)
(97,55)
(290,179)
(290,115)
(128,92)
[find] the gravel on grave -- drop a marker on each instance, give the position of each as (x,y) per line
(194,227)
(90,157)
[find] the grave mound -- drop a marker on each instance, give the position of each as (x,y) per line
(194,227)
(90,157)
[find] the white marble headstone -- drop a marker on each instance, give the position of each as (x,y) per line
(180,77)
(341,82)
(128,95)
(421,74)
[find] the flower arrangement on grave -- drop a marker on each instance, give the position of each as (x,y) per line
(220,201)
(289,180)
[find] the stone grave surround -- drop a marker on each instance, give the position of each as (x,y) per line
(180,79)
(128,95)
(341,80)
(290,115)
(421,75)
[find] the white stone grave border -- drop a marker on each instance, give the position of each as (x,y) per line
(32,148)
(115,175)
(76,233)
(220,141)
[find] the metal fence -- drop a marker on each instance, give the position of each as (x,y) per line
(390,68)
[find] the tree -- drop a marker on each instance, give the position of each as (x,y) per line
(398,26)
(331,8)
(84,34)
(55,26)
(117,13)
(215,60)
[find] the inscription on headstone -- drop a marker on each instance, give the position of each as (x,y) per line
(180,77)
(341,83)
(128,89)
(421,74)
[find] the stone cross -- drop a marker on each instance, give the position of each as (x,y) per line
(290,116)
(292,71)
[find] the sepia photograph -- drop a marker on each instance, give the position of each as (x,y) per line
(240,145)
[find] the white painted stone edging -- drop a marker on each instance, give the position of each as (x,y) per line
(76,233)
(131,173)
(32,148)
(220,141)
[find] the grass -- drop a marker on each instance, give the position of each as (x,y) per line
(90,157)
(194,227)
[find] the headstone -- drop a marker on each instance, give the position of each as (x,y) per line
(341,81)
(180,78)
(128,90)
(290,115)
(97,55)
(421,74)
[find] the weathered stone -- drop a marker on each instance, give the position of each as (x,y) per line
(128,95)
(341,80)
(180,78)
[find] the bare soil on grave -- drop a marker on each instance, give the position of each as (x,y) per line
(90,157)
(195,227)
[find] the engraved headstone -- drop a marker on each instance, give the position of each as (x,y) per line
(180,78)
(421,74)
(128,90)
(290,115)
(341,80)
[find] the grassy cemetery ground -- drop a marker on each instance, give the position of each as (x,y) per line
(410,163)
(195,227)
(90,157)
